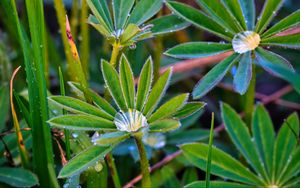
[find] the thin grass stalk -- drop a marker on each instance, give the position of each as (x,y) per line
(74,17)
(85,42)
(209,154)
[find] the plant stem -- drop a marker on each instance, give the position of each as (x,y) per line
(146,181)
(84,45)
(249,98)
(114,55)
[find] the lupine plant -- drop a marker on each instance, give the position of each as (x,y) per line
(272,161)
(245,36)
(136,114)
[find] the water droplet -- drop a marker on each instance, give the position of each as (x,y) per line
(245,41)
(130,121)
(132,46)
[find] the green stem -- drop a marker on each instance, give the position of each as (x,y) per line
(114,55)
(84,45)
(146,181)
(250,98)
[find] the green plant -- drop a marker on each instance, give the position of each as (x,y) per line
(272,161)
(234,21)
(137,114)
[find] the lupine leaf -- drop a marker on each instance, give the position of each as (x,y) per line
(112,81)
(144,10)
(169,108)
(165,125)
(288,22)
(167,24)
(97,99)
(189,109)
(220,14)
(84,160)
(127,81)
(213,77)
(18,177)
(92,20)
(248,9)
(78,106)
(144,86)
(130,31)
(101,11)
(243,75)
(82,122)
(222,164)
(121,9)
(267,14)
(157,92)
(197,50)
(285,143)
(199,19)
(287,41)
(236,10)
(264,136)
(292,168)
(187,136)
(241,138)
(111,138)
(217,184)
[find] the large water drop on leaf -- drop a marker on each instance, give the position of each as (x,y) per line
(245,41)
(130,121)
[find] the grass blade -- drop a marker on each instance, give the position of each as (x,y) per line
(18,177)
(210,145)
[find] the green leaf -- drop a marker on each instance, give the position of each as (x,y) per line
(292,168)
(92,20)
(165,125)
(236,10)
(264,136)
(243,75)
(127,81)
(285,143)
(111,138)
(214,76)
(240,136)
(82,123)
(268,12)
(131,31)
(144,10)
(23,106)
(78,106)
(4,105)
(199,19)
(190,175)
(167,24)
(157,92)
(169,177)
(84,160)
(189,109)
(222,164)
(288,22)
(217,184)
(169,108)
(121,10)
(186,136)
(278,66)
(97,99)
(220,14)
(197,50)
(113,84)
(287,41)
(18,177)
(248,9)
(101,11)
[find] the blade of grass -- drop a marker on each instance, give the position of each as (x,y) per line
(210,143)
(85,42)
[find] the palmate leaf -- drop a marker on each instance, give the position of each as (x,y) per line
(18,177)
(127,82)
(214,76)
(144,10)
(111,138)
(264,136)
(243,75)
(157,92)
(189,109)
(113,84)
(164,125)
(82,123)
(234,7)
(217,184)
(288,22)
(285,143)
(287,41)
(130,31)
(78,106)
(92,20)
(169,108)
(222,164)
(144,86)
(84,160)
(248,9)
(267,14)
(167,24)
(292,168)
(199,19)
(197,50)
(220,14)
(121,10)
